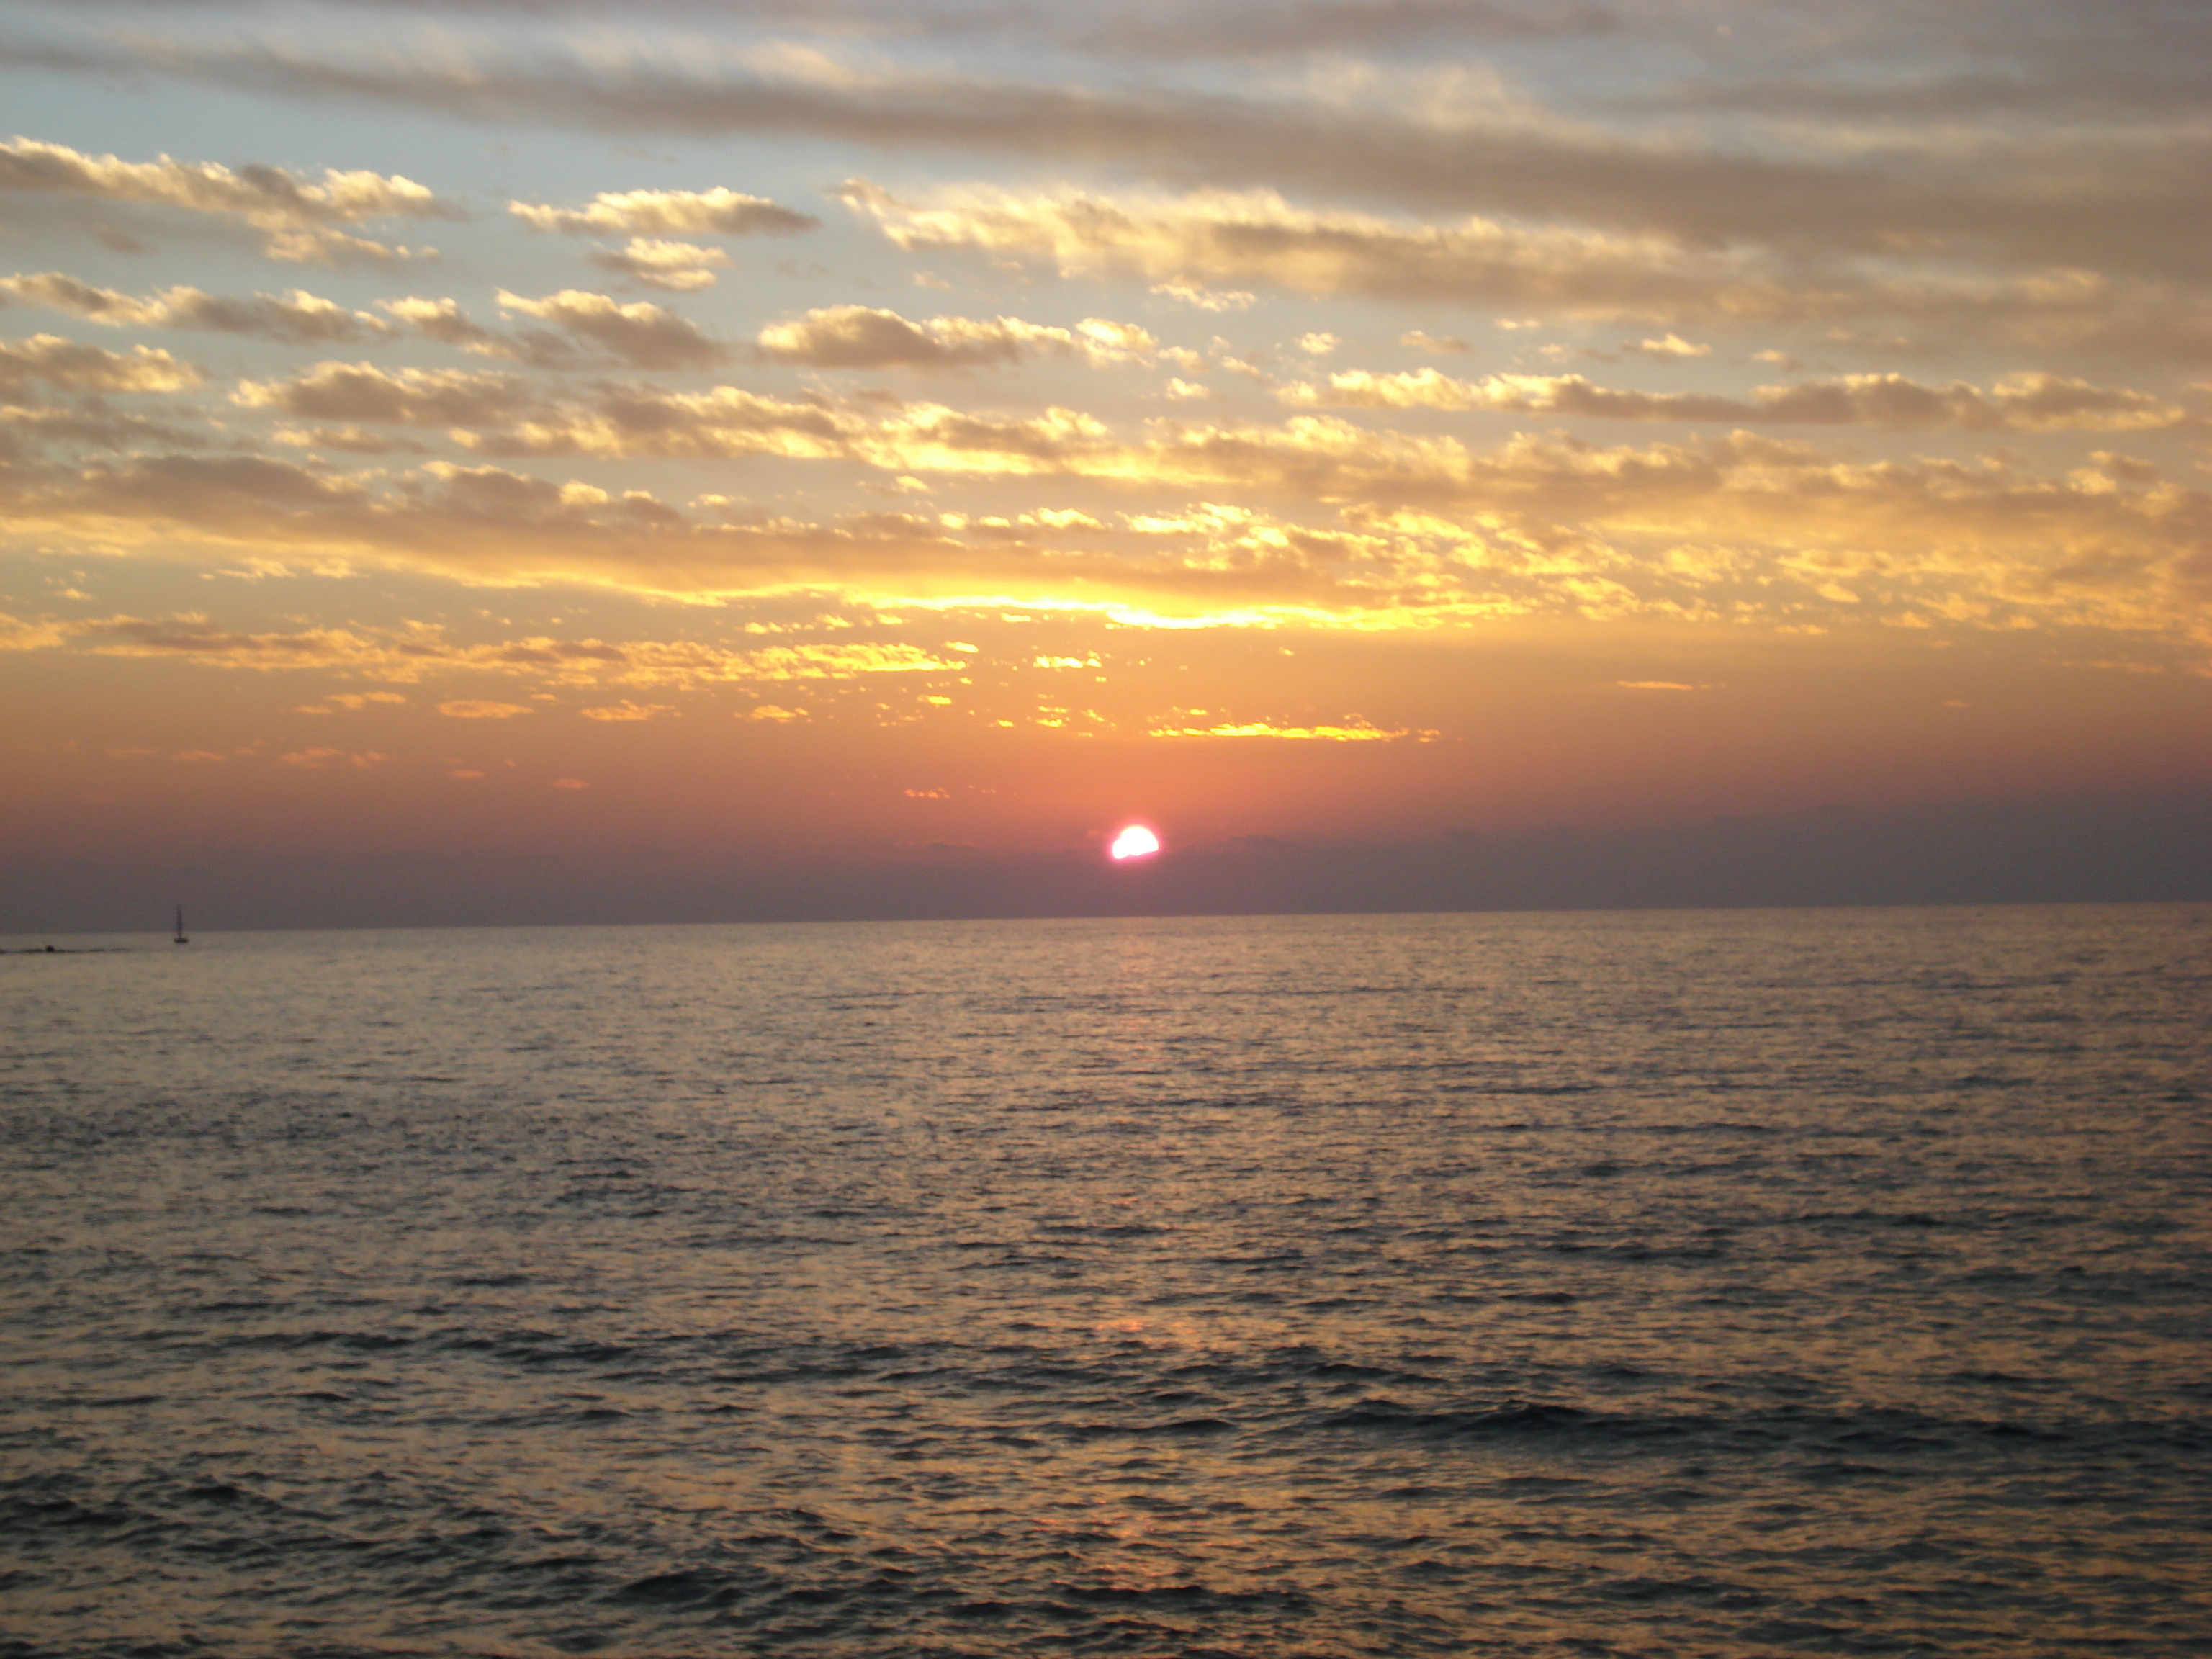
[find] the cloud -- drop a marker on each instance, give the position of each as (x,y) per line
(727,422)
(626,710)
(29,633)
(405,396)
(298,219)
(297,318)
(1668,349)
(349,440)
(1352,731)
(679,267)
(1214,237)
(320,757)
(2013,195)
(353,701)
(92,423)
(417,651)
(670,212)
(641,334)
(1183,243)
(2033,402)
(840,662)
(67,366)
(862,337)
(1740,529)
(1205,299)
(443,321)
(1237,29)
(473,709)
(192,636)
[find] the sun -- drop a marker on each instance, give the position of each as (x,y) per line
(1135,842)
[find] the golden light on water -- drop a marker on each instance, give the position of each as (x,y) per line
(1135,842)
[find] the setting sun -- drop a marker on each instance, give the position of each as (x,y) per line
(1135,842)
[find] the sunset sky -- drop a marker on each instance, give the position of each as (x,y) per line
(448,451)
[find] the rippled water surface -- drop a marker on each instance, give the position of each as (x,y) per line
(1716,1284)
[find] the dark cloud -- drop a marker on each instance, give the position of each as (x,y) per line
(867,336)
(1235,29)
(297,318)
(640,335)
(349,392)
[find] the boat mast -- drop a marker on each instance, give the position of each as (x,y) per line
(180,938)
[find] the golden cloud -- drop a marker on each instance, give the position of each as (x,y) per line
(678,212)
(68,366)
(679,267)
(1740,528)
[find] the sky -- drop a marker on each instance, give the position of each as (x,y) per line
(516,461)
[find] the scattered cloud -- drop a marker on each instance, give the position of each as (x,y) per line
(1352,731)
(296,318)
(679,267)
(718,211)
(2013,195)
(67,366)
(443,320)
(299,219)
(1205,298)
(2028,402)
(315,759)
(1668,349)
(1188,244)
(641,335)
(626,710)
(863,337)
(30,633)
(404,397)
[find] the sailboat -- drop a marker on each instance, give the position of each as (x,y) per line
(180,938)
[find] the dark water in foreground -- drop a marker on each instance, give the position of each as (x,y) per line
(1734,1284)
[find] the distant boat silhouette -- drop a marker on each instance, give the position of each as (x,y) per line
(180,938)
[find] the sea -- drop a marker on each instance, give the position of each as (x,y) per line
(1712,1284)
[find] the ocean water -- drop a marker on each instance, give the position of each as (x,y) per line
(1732,1283)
